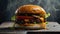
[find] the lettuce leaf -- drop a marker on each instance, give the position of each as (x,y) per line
(46,22)
(47,15)
(13,18)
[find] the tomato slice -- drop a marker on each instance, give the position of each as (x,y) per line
(24,17)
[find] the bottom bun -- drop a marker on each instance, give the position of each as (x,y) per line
(33,26)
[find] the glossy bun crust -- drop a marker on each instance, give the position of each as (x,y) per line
(31,9)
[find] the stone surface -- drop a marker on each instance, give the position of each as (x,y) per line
(51,26)
(6,24)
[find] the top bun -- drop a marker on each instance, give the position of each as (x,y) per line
(31,9)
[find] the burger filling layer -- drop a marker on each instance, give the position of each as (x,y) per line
(29,18)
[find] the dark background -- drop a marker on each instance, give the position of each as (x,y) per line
(8,7)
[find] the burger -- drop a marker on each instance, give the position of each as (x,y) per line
(31,17)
